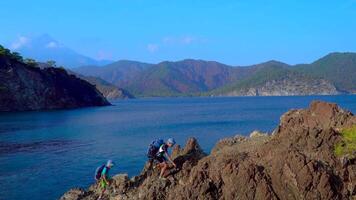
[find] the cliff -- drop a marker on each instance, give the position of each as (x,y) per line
(27,87)
(298,161)
(109,91)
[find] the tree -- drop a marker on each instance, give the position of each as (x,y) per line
(30,62)
(52,63)
(17,56)
(4,51)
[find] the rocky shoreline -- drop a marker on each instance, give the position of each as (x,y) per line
(288,87)
(297,161)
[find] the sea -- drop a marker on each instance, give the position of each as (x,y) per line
(45,153)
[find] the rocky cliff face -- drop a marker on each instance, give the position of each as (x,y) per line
(24,87)
(296,162)
(108,90)
(287,87)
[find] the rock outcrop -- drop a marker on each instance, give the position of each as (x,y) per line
(25,87)
(296,162)
(109,91)
(291,86)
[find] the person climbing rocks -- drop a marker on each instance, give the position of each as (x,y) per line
(102,176)
(158,151)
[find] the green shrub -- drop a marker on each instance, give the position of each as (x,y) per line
(348,144)
(52,63)
(30,62)
(4,51)
(17,56)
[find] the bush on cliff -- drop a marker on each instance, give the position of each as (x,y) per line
(30,62)
(347,147)
(17,56)
(4,51)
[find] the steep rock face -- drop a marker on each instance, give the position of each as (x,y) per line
(23,87)
(287,87)
(295,162)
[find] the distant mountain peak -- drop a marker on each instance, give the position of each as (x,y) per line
(274,62)
(347,58)
(45,47)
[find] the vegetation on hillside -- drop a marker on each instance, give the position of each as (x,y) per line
(338,68)
(16,56)
(197,77)
(260,77)
(347,147)
(182,78)
(12,55)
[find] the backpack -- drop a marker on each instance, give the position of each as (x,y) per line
(154,147)
(98,172)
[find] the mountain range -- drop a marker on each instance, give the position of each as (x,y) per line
(332,74)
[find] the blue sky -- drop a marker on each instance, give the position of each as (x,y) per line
(237,32)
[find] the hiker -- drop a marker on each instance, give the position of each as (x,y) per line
(158,151)
(102,176)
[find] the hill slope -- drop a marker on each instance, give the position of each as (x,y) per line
(116,73)
(109,90)
(338,68)
(181,78)
(276,79)
(332,74)
(27,87)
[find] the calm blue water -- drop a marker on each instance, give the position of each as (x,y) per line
(43,154)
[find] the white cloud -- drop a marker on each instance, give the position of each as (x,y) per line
(52,45)
(182,40)
(19,42)
(168,40)
(152,48)
(188,40)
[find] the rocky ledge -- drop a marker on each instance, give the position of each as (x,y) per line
(297,161)
(27,87)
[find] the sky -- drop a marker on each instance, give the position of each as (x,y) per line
(235,32)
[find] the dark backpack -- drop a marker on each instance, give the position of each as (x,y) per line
(98,172)
(154,147)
